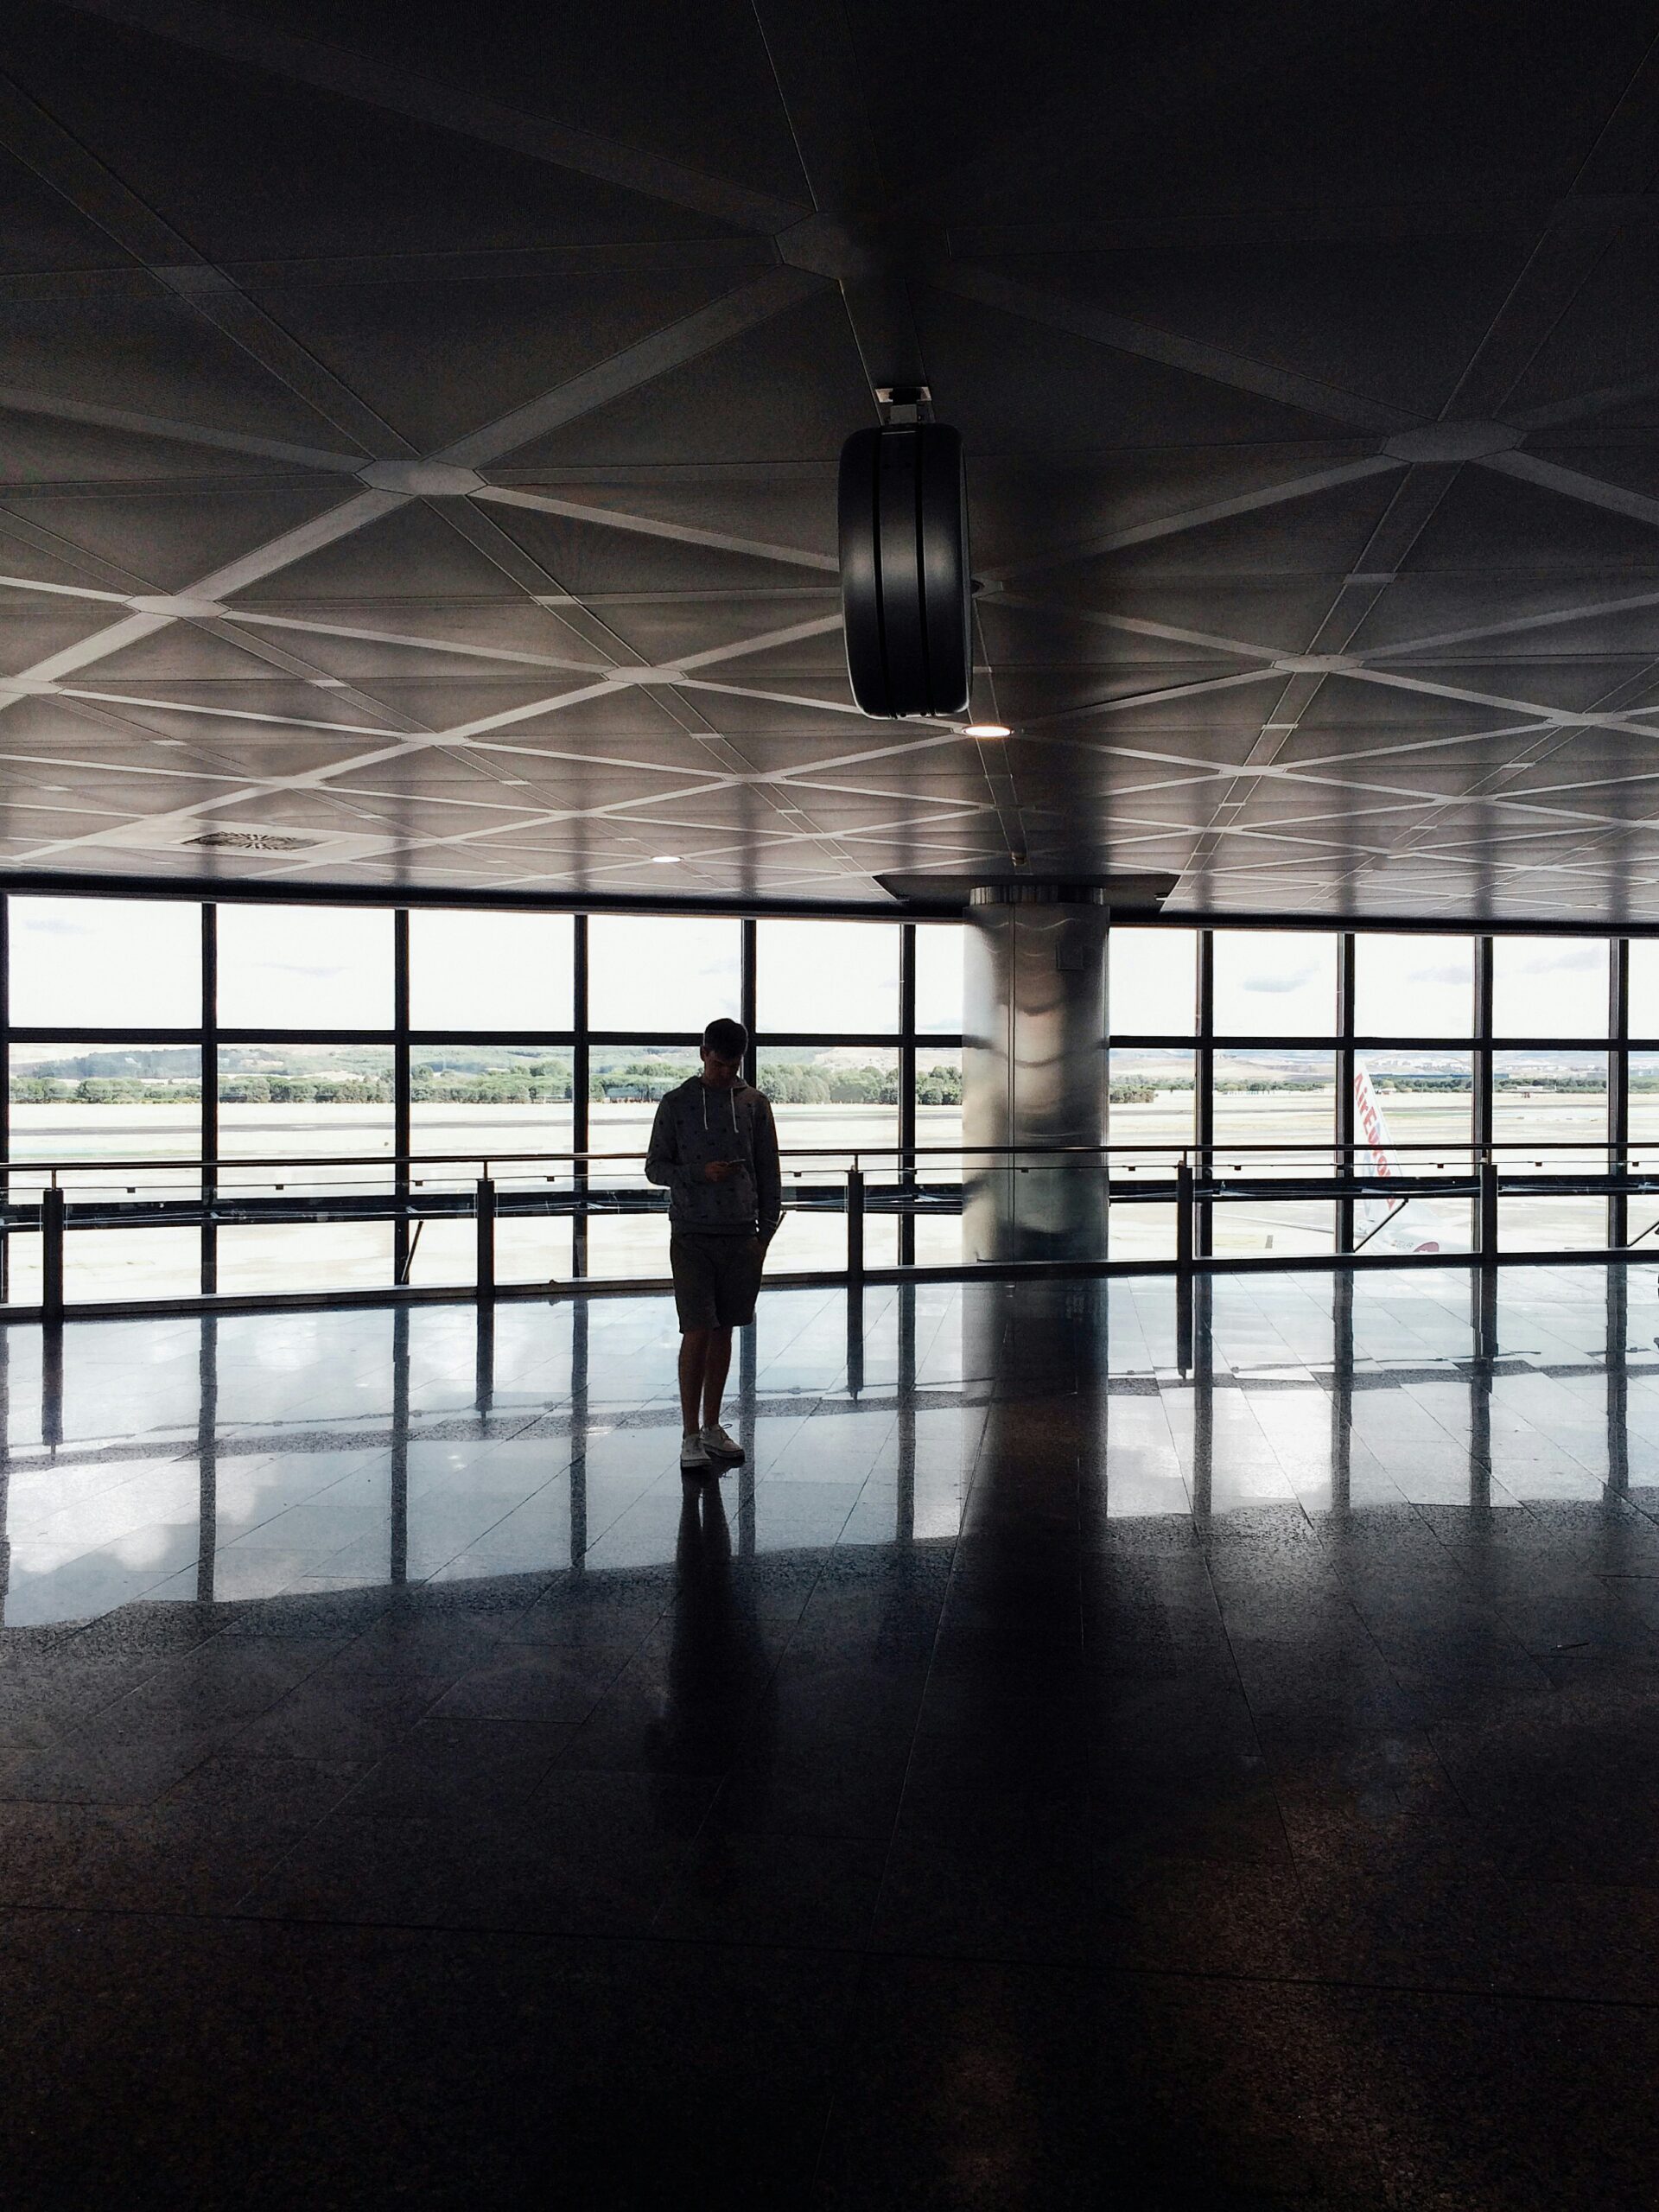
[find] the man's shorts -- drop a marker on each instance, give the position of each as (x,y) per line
(715,1278)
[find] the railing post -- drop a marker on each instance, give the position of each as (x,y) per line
(51,1222)
(1185,1224)
(855,1224)
(485,1212)
(1488,1203)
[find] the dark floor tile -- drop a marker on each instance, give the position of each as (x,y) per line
(815,1783)
(1202,1916)
(1481,2099)
(971,2084)
(446,1764)
(269,2064)
(151,1628)
(76,1771)
(500,1868)
(226,1680)
(287,1792)
(970,1898)
(737,1887)
(343,1714)
(164,1857)
(1488,1932)
(535,1681)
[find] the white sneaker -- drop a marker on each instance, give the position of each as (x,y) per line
(718,1445)
(694,1459)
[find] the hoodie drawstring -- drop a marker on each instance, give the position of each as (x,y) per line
(731,1100)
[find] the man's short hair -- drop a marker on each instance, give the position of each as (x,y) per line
(726,1039)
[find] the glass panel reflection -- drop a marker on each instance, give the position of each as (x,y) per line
(304,968)
(301,1460)
(1153,1102)
(826,976)
(1275,983)
(828,1105)
(1549,987)
(661,972)
(1153,983)
(1267,1100)
(1413,986)
(1405,1100)
(104,1104)
(124,963)
(1557,1101)
(481,971)
(938,978)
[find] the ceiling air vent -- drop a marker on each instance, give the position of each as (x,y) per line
(254,841)
(204,842)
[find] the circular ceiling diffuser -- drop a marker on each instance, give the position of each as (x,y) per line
(904,588)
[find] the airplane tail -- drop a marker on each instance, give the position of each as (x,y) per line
(1377,1158)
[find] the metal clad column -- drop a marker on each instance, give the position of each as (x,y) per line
(1034,1070)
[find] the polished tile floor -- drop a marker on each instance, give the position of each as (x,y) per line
(1093,1753)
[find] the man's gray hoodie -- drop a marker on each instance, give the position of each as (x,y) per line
(698,1123)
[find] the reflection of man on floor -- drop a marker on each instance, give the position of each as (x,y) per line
(714,1146)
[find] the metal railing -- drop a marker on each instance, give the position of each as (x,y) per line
(489,1187)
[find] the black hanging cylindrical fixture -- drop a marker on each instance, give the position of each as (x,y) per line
(905,593)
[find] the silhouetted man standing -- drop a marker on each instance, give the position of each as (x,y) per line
(713,1145)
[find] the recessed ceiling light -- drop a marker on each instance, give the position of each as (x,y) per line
(515,780)
(168,740)
(986,729)
(666,859)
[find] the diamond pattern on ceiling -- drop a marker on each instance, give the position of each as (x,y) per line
(422,446)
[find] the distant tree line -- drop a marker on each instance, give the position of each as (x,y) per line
(100,1090)
(487,1078)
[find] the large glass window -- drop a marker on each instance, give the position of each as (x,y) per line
(826,976)
(658,972)
(832,1107)
(1549,987)
(98,1102)
(1644,1001)
(479,971)
(1556,1102)
(939,950)
(1413,1114)
(298,1104)
(114,1115)
(1644,1110)
(309,1102)
(1413,986)
(1275,983)
(1153,983)
(477,1105)
(109,1084)
(1153,1103)
(936,1232)
(1269,1108)
(490,1100)
(304,968)
(96,963)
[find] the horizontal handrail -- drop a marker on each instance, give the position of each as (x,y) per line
(409,1189)
(1172,1148)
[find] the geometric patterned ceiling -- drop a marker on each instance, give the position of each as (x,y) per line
(420,431)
